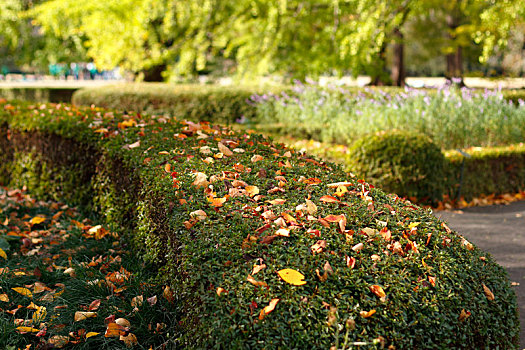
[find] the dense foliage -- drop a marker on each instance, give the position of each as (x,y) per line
(451,117)
(263,246)
(404,163)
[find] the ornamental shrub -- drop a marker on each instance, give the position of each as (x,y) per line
(231,221)
(405,163)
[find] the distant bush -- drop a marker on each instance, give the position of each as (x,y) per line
(220,104)
(404,163)
(264,247)
(451,117)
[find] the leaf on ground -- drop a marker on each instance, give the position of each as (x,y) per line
(82,315)
(4,297)
(24,291)
(268,309)
(58,341)
(94,305)
(378,291)
(329,199)
(292,276)
(488,292)
(91,334)
(37,220)
(115,330)
(23,329)
(129,339)
(3,254)
(367,314)
(255,282)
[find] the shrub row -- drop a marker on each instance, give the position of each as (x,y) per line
(40,94)
(195,102)
(224,214)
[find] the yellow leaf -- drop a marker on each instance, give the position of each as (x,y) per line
(3,254)
(82,315)
(24,291)
(269,308)
(4,297)
(27,329)
(39,315)
(91,334)
(292,276)
(367,314)
(37,220)
(252,190)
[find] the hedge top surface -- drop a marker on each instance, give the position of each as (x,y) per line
(276,249)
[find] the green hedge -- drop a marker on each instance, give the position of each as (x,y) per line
(495,170)
(222,104)
(211,206)
(38,94)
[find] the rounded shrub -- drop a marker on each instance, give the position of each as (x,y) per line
(266,248)
(402,162)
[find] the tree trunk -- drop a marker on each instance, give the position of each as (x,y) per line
(398,74)
(154,73)
(454,71)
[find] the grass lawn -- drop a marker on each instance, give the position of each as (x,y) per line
(67,282)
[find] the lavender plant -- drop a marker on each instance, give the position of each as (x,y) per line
(450,116)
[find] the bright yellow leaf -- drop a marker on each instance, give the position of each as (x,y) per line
(292,276)
(24,291)
(3,254)
(91,334)
(4,297)
(37,220)
(39,315)
(27,329)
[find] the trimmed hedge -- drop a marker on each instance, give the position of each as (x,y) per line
(221,212)
(401,162)
(495,170)
(37,94)
(221,104)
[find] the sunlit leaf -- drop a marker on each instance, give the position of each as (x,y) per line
(277,201)
(24,291)
(37,220)
(329,199)
(123,322)
(464,315)
(282,232)
(252,190)
(221,291)
(137,301)
(292,276)
(91,334)
(23,329)
(224,150)
(257,268)
(39,315)
(82,315)
(367,314)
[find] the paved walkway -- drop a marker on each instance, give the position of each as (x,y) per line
(499,230)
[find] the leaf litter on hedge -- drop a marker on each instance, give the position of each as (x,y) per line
(65,282)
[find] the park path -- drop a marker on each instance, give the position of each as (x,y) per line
(500,231)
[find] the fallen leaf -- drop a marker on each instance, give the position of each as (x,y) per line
(37,220)
(39,315)
(318,247)
(256,158)
(152,300)
(378,290)
(358,247)
(311,208)
(329,199)
(276,201)
(488,292)
(129,339)
(24,291)
(94,305)
(221,291)
(3,254)
(201,180)
(123,322)
(292,276)
(268,309)
(464,315)
(115,330)
(82,315)
(167,293)
(252,190)
(58,341)
(225,150)
(137,301)
(255,282)
(23,329)
(432,280)
(91,334)
(4,297)
(350,261)
(282,232)
(367,314)
(257,268)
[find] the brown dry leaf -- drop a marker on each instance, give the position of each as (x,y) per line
(257,268)
(255,282)
(378,290)
(115,330)
(488,292)
(130,340)
(224,150)
(168,294)
(464,315)
(322,277)
(58,341)
(318,247)
(123,322)
(137,301)
(24,291)
(201,180)
(218,202)
(350,261)
(290,219)
(268,239)
(311,208)
(268,309)
(152,300)
(82,315)
(367,314)
(252,190)
(94,305)
(432,280)
(385,233)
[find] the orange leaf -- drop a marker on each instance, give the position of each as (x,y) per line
(464,315)
(115,330)
(329,199)
(350,262)
(129,339)
(488,292)
(221,290)
(432,280)
(367,314)
(217,202)
(292,276)
(378,290)
(268,309)
(277,201)
(256,158)
(24,291)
